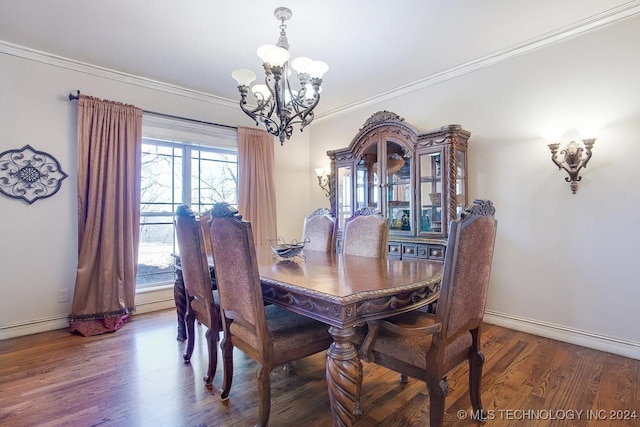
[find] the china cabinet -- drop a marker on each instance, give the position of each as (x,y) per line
(418,180)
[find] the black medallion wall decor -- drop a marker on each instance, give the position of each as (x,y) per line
(29,174)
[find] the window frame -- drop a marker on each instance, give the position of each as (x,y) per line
(186,136)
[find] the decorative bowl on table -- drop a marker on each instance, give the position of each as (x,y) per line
(287,250)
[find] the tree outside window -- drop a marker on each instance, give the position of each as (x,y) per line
(175,173)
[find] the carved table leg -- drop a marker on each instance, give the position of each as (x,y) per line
(344,377)
(180,297)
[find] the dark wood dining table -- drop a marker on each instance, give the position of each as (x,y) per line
(342,291)
(345,291)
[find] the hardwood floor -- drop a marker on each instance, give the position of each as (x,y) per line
(136,377)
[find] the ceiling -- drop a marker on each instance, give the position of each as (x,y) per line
(373,47)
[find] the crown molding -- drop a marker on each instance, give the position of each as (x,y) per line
(592,23)
(107,73)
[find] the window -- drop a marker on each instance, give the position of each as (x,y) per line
(182,163)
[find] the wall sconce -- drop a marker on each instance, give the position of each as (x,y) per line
(324,181)
(573,160)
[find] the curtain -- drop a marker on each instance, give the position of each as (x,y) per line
(109,152)
(256,188)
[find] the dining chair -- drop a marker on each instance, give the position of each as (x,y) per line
(270,335)
(366,233)
(203,222)
(428,346)
(317,231)
(202,305)
(179,294)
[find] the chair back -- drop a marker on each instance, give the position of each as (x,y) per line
(466,270)
(204,228)
(195,267)
(237,276)
(318,230)
(366,233)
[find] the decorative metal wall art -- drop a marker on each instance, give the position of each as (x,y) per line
(29,174)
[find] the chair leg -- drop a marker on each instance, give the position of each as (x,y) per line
(264,395)
(227,364)
(189,321)
(212,344)
(437,393)
(180,298)
(475,375)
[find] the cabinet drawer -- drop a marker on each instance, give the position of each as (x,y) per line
(410,251)
(395,249)
(435,252)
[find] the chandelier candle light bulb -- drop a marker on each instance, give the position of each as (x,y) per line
(276,95)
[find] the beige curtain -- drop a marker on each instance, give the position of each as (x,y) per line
(109,151)
(256,189)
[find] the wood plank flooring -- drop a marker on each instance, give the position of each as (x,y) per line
(136,377)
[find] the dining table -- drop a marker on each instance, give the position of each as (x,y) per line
(343,291)
(346,291)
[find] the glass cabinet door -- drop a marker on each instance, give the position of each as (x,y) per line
(461,182)
(368,180)
(344,182)
(430,181)
(399,192)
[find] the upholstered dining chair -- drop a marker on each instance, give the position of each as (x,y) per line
(203,222)
(201,299)
(428,346)
(366,233)
(268,334)
(317,231)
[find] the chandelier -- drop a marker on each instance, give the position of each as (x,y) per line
(279,106)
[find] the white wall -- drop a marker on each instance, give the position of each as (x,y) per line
(38,242)
(292,181)
(564,264)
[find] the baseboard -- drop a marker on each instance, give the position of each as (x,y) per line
(146,302)
(562,333)
(34,327)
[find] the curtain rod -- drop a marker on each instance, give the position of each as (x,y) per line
(75,97)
